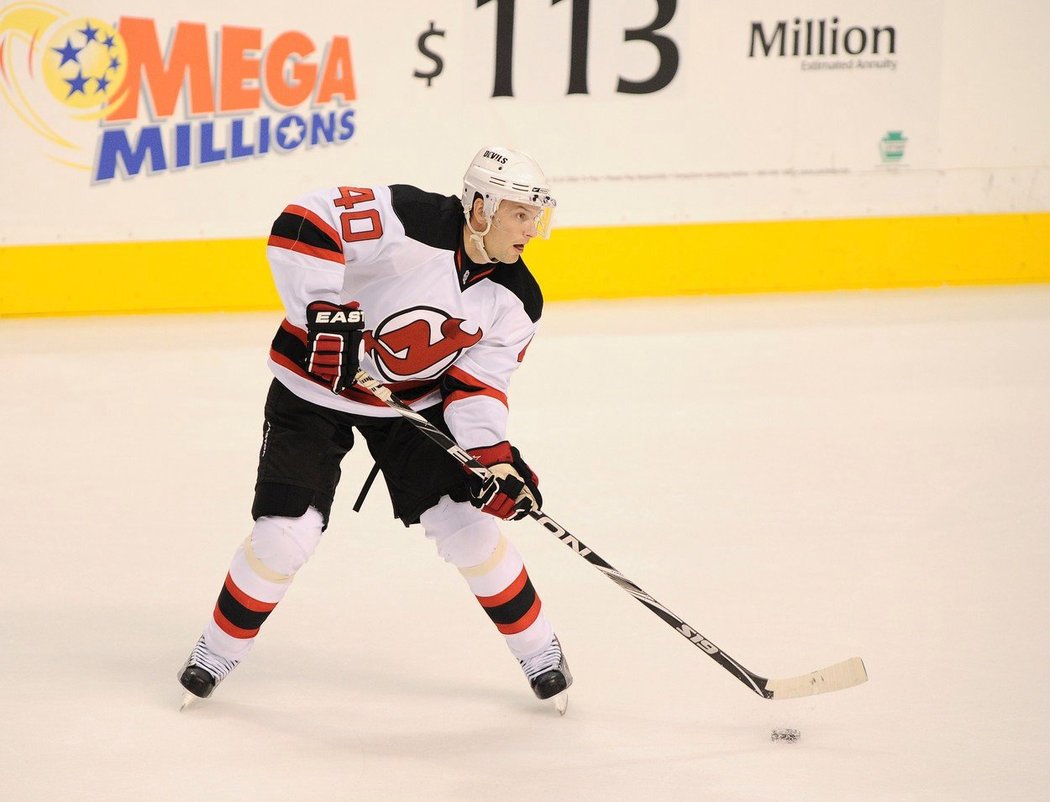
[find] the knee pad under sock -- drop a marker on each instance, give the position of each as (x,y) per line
(260,574)
(494,571)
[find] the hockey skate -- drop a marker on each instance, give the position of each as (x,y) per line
(549,676)
(201,672)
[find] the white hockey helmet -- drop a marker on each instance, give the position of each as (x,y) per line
(497,174)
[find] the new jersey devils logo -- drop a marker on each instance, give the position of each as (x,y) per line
(417,343)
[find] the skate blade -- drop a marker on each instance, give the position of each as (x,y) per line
(187,699)
(561,702)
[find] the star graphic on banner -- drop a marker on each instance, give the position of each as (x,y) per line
(290,132)
(76,84)
(90,33)
(68,53)
(103,84)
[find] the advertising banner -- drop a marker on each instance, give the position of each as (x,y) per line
(138,122)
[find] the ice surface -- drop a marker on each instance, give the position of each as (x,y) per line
(801,478)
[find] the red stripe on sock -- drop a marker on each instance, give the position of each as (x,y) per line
(522,623)
(506,595)
(247,601)
(231,629)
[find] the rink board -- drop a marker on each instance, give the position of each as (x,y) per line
(576,263)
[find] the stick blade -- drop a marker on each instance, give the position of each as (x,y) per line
(833,678)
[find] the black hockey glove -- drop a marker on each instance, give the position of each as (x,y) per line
(513,491)
(333,340)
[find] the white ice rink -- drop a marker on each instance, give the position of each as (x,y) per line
(802,478)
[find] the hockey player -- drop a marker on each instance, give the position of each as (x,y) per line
(430,294)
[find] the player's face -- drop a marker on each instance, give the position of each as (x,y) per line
(513,225)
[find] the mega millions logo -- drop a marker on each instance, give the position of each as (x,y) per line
(107,98)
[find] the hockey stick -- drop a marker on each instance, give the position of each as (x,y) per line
(832,678)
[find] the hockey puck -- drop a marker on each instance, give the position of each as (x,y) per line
(785,735)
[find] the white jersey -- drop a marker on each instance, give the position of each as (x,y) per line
(439,328)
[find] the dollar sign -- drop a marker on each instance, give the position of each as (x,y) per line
(421,43)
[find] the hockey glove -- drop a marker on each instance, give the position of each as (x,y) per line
(513,490)
(333,341)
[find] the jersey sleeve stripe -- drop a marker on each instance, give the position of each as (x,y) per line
(322,226)
(300,334)
(457,384)
(300,226)
(298,246)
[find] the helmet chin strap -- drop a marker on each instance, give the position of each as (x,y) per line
(477,237)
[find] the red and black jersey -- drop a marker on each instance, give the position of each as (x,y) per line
(438,326)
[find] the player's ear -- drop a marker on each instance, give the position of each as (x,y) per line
(477,210)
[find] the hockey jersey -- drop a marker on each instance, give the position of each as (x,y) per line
(439,328)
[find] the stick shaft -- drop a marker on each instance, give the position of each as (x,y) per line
(750,679)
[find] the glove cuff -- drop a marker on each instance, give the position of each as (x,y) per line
(493,455)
